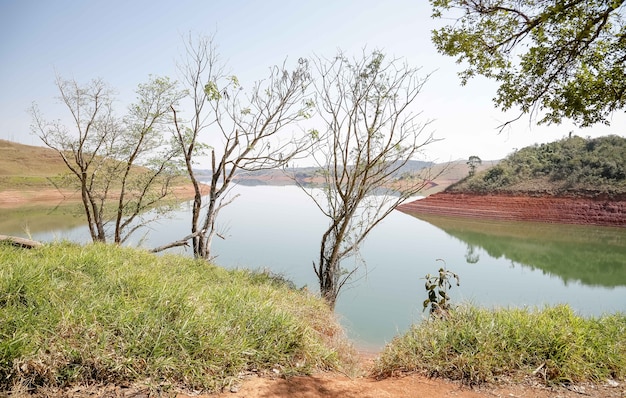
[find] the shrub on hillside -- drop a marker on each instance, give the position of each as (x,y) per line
(569,164)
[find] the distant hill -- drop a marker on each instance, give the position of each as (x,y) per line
(28,167)
(572,166)
(284,177)
(27,160)
(441,174)
(24,166)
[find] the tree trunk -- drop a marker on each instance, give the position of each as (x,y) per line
(328,278)
(329,295)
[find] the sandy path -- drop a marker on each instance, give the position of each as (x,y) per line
(339,386)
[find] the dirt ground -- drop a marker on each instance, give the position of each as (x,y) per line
(15,198)
(334,385)
(544,208)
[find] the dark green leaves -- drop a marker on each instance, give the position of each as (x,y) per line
(437,288)
(558,59)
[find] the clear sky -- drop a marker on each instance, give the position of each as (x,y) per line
(125,41)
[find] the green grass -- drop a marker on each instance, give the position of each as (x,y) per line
(73,314)
(100,314)
(479,345)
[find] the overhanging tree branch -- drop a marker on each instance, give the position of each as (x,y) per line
(558,59)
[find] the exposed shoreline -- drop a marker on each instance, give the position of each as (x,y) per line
(550,209)
(15,198)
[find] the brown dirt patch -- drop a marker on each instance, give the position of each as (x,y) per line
(332,385)
(10,198)
(335,385)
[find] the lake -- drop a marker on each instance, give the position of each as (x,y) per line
(501,264)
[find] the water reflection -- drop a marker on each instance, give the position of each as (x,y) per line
(594,256)
(23,221)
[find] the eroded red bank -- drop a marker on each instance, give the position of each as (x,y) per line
(551,209)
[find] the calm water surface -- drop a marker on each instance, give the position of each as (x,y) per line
(501,264)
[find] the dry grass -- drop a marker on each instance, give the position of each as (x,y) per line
(451,172)
(28,167)
(17,160)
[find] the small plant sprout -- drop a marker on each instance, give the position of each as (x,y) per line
(437,287)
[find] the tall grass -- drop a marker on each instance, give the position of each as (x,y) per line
(478,345)
(82,314)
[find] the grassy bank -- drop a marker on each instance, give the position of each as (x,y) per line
(478,345)
(101,314)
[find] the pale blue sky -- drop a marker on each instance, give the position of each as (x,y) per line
(124,41)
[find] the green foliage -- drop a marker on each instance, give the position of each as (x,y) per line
(124,164)
(101,314)
(479,345)
(437,287)
(570,164)
(212,92)
(563,59)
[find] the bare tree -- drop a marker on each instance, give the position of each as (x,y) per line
(122,167)
(252,130)
(370,133)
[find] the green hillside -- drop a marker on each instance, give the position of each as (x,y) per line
(571,166)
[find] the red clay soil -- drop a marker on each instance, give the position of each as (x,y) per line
(334,385)
(362,385)
(410,386)
(550,209)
